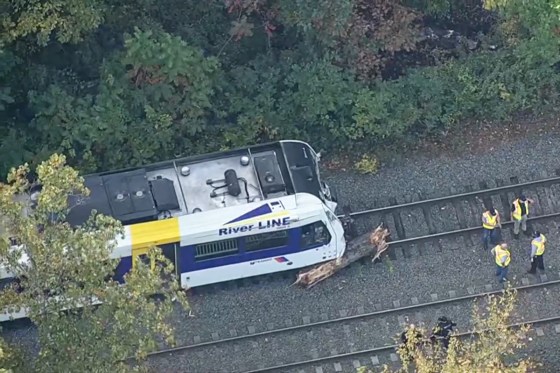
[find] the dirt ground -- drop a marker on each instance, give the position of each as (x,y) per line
(469,138)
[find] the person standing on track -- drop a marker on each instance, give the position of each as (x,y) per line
(519,213)
(503,258)
(348,224)
(410,331)
(537,251)
(442,331)
(490,221)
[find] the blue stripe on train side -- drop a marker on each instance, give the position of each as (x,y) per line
(190,264)
(233,259)
(123,267)
(187,263)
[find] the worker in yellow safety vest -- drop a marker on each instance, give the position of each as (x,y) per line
(503,257)
(490,222)
(537,250)
(519,214)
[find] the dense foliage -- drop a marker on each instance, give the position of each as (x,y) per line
(71,269)
(117,83)
(493,345)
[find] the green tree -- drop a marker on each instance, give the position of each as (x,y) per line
(493,348)
(9,358)
(222,73)
(70,268)
(152,103)
(311,101)
(65,20)
(361,35)
(317,98)
(12,150)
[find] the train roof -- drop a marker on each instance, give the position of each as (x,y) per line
(200,183)
(235,222)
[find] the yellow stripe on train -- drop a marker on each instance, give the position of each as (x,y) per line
(154,233)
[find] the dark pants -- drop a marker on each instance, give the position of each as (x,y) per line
(486,236)
(502,272)
(537,262)
(443,339)
(490,236)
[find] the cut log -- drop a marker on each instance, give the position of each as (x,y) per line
(373,243)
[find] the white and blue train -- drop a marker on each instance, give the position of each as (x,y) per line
(221,216)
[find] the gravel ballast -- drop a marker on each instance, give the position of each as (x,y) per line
(345,337)
(369,287)
(363,288)
(430,177)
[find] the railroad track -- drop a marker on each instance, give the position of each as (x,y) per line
(421,219)
(416,221)
(386,355)
(419,238)
(330,345)
(416,231)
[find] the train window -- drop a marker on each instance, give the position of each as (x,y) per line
(265,241)
(216,249)
(313,235)
(146,259)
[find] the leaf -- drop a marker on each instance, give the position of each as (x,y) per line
(74,264)
(241,29)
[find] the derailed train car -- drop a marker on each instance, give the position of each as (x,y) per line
(220,216)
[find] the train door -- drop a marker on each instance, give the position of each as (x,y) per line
(169,251)
(142,255)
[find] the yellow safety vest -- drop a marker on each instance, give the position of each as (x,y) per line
(491,221)
(501,252)
(516,214)
(539,244)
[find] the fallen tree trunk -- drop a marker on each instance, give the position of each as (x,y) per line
(373,243)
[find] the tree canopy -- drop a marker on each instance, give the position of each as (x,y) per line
(493,345)
(117,83)
(120,83)
(70,268)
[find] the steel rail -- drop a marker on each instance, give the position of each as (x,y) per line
(466,230)
(392,310)
(482,192)
(347,318)
(386,348)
